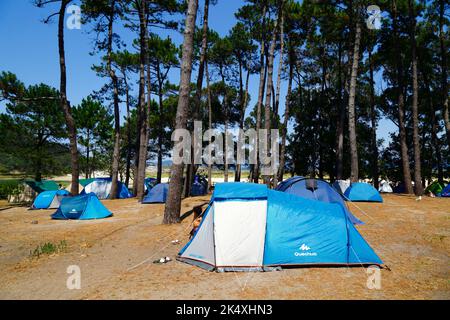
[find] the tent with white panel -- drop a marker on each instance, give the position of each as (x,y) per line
(248,227)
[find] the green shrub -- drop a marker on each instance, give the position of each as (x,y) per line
(9,187)
(48,248)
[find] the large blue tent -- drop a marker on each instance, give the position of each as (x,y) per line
(49,199)
(360,191)
(82,207)
(248,227)
(315,189)
(102,188)
(158,194)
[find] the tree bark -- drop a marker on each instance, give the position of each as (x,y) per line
(173,204)
(208,90)
(114,80)
(127,102)
(143,135)
(340,122)
(71,128)
(269,88)
(286,115)
(444,83)
(418,188)
(262,81)
(401,106)
(373,119)
(351,104)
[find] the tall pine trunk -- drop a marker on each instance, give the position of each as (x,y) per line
(418,188)
(269,88)
(351,104)
(143,135)
(262,81)
(127,102)
(70,123)
(373,129)
(340,121)
(444,84)
(208,92)
(173,204)
(115,83)
(401,105)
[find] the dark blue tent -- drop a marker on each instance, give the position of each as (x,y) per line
(199,186)
(446,191)
(82,207)
(360,191)
(315,189)
(158,194)
(149,183)
(399,188)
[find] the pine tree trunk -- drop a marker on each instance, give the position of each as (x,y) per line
(418,188)
(114,80)
(173,203)
(262,81)
(444,83)
(143,133)
(340,122)
(127,102)
(351,105)
(208,90)
(373,119)
(70,123)
(286,115)
(401,107)
(269,88)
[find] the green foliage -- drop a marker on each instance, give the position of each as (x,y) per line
(9,187)
(48,248)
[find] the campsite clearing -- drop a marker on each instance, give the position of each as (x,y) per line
(115,257)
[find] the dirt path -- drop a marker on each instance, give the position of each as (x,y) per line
(411,237)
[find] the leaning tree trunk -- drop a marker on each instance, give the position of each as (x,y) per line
(262,81)
(351,105)
(143,135)
(401,106)
(373,129)
(418,188)
(70,123)
(173,204)
(115,83)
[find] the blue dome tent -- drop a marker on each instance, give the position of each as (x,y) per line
(158,194)
(49,199)
(446,191)
(315,189)
(82,207)
(102,188)
(248,227)
(199,186)
(360,191)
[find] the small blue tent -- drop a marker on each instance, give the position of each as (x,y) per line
(360,191)
(446,191)
(82,207)
(49,199)
(315,189)
(248,227)
(158,194)
(199,186)
(102,188)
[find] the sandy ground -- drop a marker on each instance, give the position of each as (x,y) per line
(115,257)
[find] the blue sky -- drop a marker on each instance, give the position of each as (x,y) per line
(30,50)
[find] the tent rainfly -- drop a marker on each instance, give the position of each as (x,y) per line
(82,207)
(49,199)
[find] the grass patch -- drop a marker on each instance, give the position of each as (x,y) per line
(48,248)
